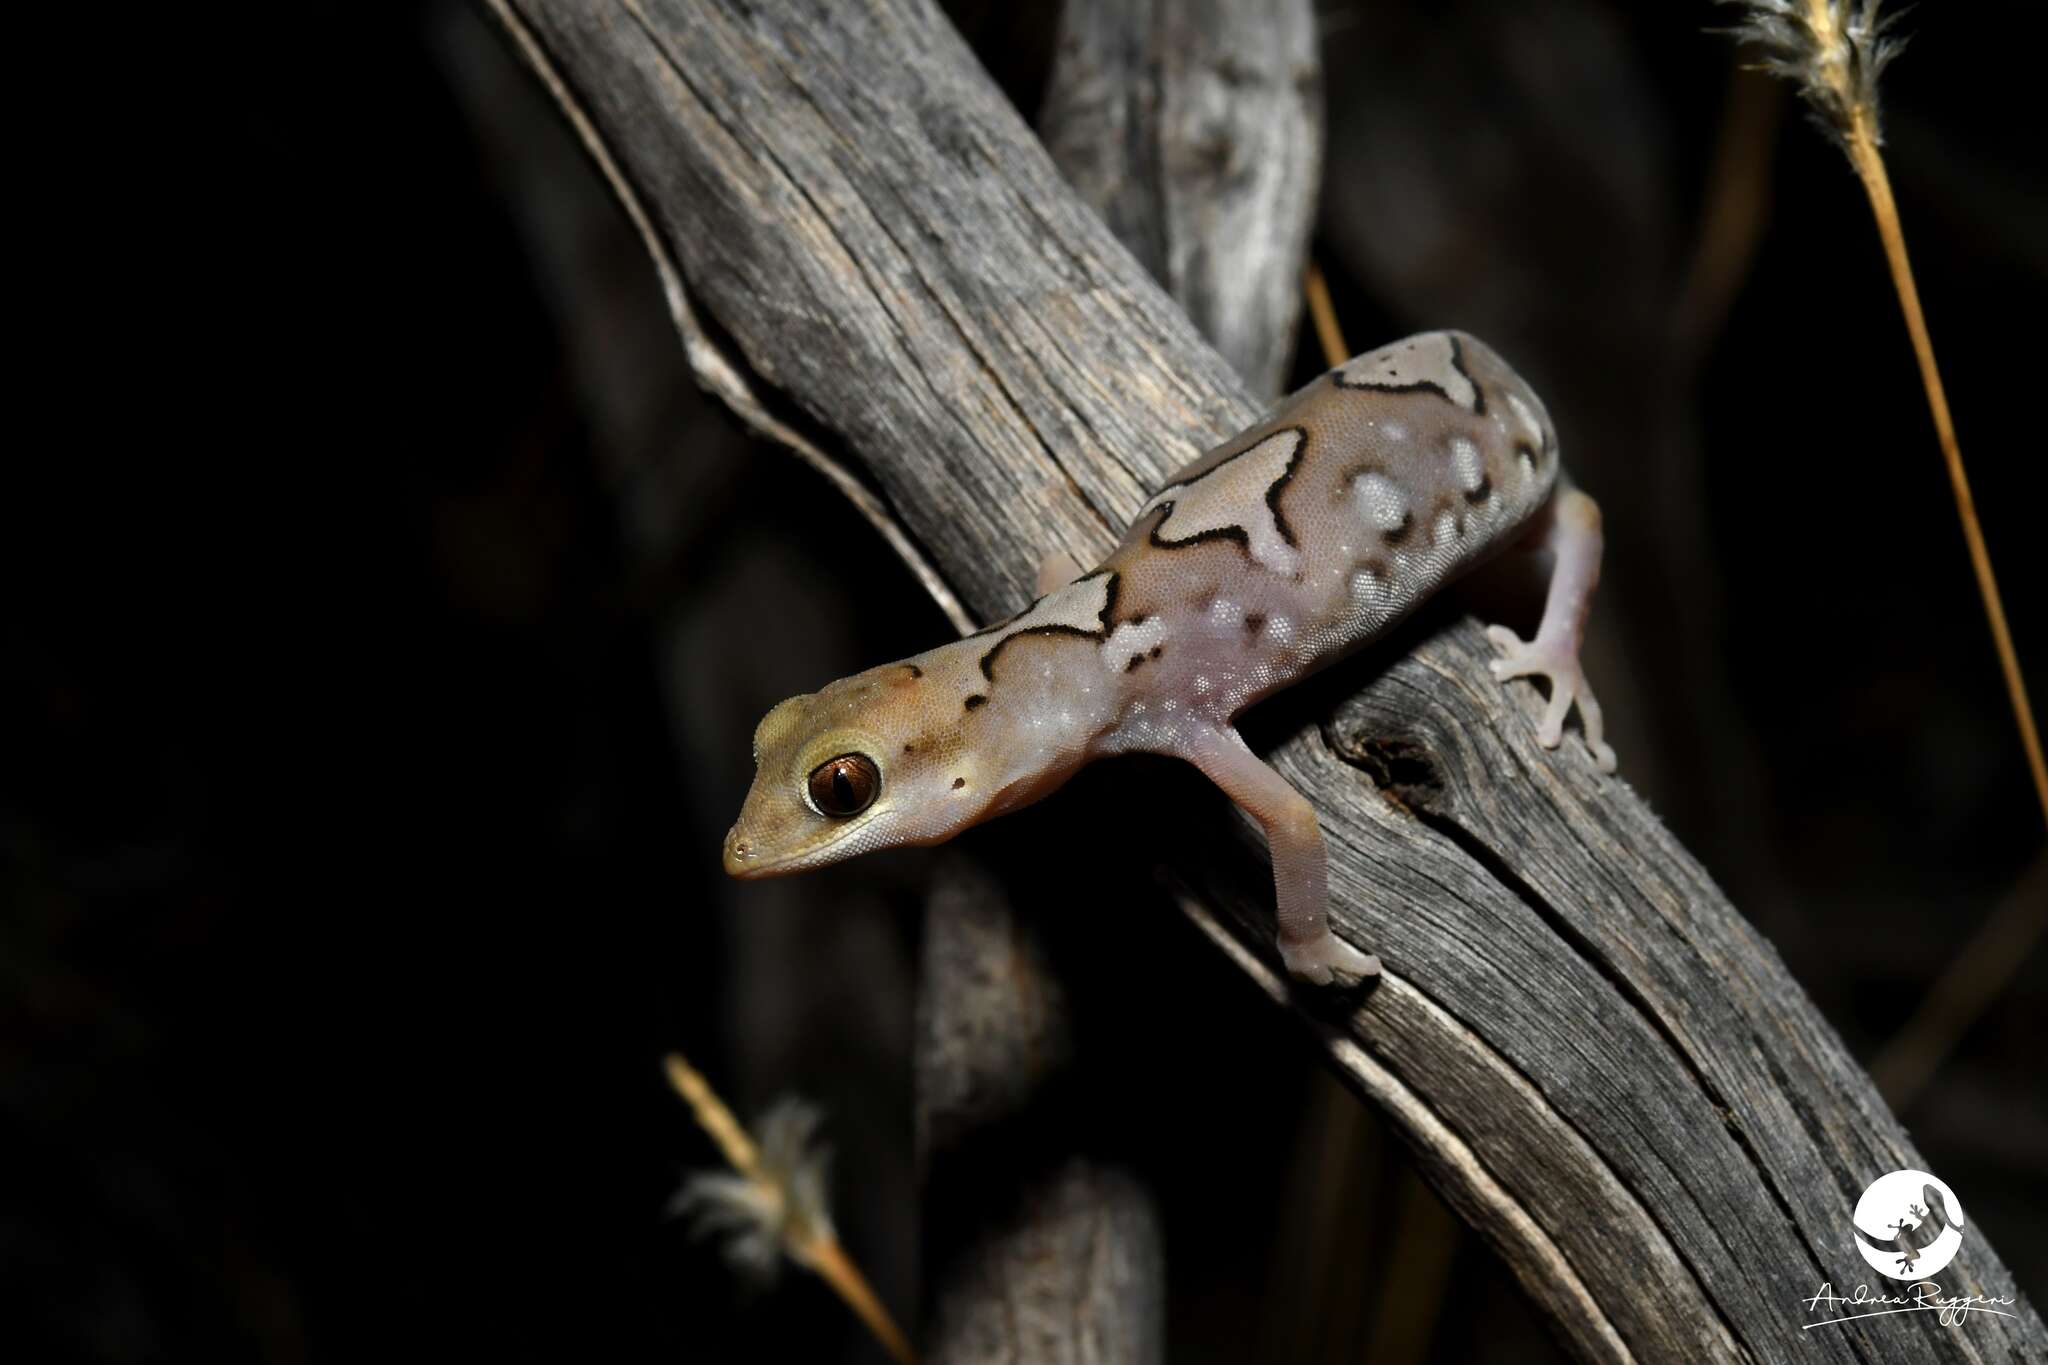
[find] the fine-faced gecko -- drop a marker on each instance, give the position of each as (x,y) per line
(1281,551)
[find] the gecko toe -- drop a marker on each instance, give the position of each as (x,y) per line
(1518,666)
(1557,666)
(1327,961)
(1347,961)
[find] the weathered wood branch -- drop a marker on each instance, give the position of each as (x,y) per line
(1598,1061)
(1195,128)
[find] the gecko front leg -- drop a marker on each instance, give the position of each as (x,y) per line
(1569,527)
(1301,876)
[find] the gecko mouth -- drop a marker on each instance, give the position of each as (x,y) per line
(744,860)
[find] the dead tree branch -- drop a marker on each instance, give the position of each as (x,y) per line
(1195,128)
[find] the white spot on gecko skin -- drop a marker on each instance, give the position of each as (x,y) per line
(1427,361)
(1225,613)
(1131,640)
(1531,428)
(1466,464)
(1365,587)
(1280,629)
(1445,530)
(1234,496)
(1381,503)
(1527,465)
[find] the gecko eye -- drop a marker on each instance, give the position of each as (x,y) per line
(846,785)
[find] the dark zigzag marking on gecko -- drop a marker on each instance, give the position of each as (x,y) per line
(1004,624)
(1478,408)
(1101,632)
(1458,364)
(1236,534)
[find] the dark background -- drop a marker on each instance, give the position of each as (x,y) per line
(389,613)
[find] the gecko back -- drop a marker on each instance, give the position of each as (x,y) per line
(1315,530)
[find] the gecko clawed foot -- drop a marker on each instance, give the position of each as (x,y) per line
(1319,961)
(1560,665)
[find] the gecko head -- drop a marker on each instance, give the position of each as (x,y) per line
(856,767)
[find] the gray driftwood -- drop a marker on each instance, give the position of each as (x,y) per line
(1597,1060)
(1195,128)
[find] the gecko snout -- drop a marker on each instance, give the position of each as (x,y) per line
(740,853)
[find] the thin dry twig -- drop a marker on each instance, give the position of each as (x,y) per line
(1328,333)
(1974,977)
(1870,168)
(1735,207)
(777,1203)
(1835,50)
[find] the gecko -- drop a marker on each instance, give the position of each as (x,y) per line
(1908,1240)
(1295,543)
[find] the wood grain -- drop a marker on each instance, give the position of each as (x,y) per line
(1195,128)
(1599,1062)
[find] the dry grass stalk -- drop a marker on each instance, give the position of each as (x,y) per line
(1328,333)
(775,1204)
(1976,976)
(1835,50)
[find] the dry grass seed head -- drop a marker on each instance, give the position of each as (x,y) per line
(781,1209)
(1834,50)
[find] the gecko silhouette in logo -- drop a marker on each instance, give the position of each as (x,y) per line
(1925,1223)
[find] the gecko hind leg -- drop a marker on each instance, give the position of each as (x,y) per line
(1568,526)
(1301,871)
